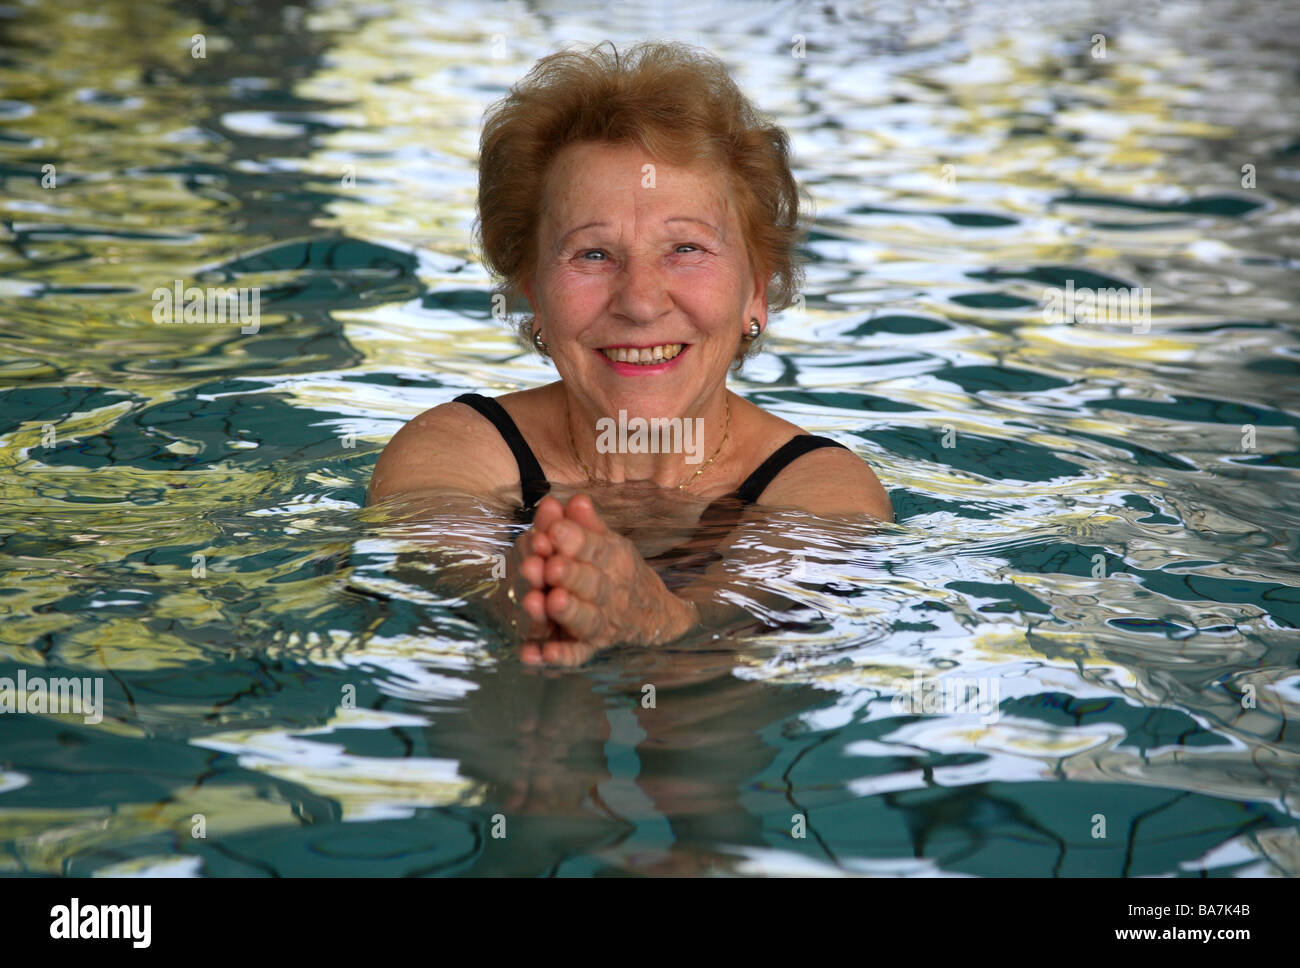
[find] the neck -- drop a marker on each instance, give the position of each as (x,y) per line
(629,444)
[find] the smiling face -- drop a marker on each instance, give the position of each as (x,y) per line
(622,266)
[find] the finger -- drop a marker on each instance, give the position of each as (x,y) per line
(534,540)
(549,510)
(581,510)
(567,653)
(579,577)
(542,544)
(535,607)
(578,618)
(524,560)
(575,541)
(533,570)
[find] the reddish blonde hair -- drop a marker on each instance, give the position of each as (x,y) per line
(677,102)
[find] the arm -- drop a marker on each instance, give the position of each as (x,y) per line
(448,448)
(439,483)
(462,546)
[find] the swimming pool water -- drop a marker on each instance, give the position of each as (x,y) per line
(1075,653)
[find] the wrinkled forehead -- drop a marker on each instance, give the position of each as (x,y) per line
(595,183)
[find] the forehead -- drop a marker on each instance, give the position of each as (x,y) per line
(586,178)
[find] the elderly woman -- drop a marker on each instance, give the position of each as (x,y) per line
(650,217)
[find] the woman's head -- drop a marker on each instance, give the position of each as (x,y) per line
(654,144)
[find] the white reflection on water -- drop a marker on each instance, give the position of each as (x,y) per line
(924,312)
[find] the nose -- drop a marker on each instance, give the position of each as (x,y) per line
(641,291)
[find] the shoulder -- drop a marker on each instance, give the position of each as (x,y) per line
(830,480)
(451,445)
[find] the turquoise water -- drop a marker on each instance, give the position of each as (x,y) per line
(1097,524)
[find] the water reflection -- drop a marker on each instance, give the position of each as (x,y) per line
(1110,537)
(546,748)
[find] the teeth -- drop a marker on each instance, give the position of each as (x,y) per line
(653,354)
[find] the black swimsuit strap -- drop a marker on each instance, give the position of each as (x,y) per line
(786,454)
(532,480)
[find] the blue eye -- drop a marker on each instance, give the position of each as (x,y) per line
(688,245)
(593,252)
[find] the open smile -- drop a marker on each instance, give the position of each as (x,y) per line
(643,359)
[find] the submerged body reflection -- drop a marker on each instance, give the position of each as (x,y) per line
(551,751)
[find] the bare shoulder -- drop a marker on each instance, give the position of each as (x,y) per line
(451,445)
(830,480)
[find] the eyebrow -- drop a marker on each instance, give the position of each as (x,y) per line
(590,225)
(691,218)
(671,218)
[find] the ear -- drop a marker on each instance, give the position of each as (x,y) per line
(529,290)
(757,305)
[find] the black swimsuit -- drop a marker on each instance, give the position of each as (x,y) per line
(534,485)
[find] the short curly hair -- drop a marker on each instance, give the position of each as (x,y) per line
(677,102)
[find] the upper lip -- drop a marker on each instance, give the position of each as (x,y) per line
(642,346)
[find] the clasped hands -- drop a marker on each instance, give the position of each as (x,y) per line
(574,587)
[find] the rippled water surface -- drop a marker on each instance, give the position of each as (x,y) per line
(1097,524)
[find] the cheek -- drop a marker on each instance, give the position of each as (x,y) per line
(722,278)
(571,287)
(716,295)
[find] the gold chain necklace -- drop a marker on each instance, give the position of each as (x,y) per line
(681,487)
